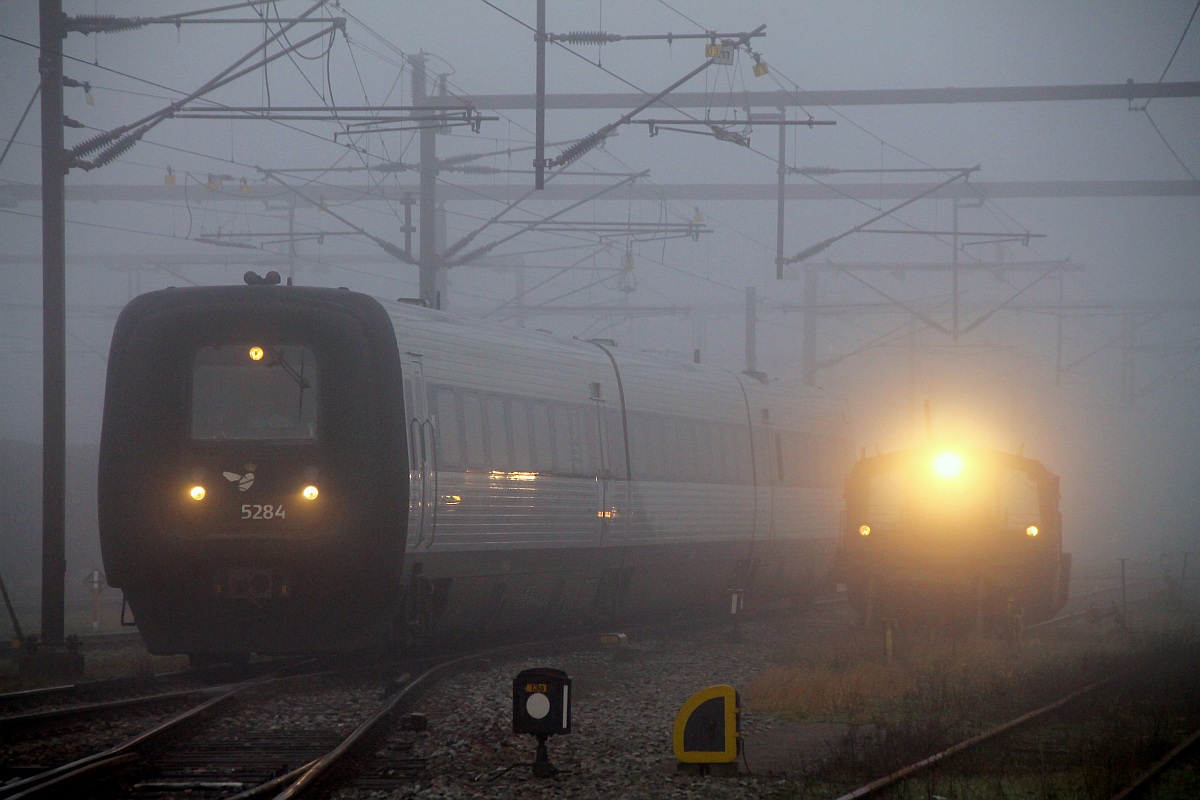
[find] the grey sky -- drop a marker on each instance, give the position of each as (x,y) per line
(997,383)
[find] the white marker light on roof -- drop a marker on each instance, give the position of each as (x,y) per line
(948,464)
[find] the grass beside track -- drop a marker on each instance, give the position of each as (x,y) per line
(98,665)
(940,689)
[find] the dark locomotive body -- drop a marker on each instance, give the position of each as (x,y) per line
(970,537)
(380,475)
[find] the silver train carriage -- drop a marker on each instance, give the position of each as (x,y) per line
(287,469)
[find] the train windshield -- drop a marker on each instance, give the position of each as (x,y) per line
(254,391)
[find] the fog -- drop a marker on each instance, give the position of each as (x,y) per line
(1110,403)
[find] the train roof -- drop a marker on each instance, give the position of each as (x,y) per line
(495,356)
(899,459)
(649,382)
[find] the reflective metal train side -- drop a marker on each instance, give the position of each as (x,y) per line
(575,480)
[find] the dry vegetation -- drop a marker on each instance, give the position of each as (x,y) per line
(853,681)
(942,689)
(98,665)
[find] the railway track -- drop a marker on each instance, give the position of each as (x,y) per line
(242,740)
(314,749)
(73,771)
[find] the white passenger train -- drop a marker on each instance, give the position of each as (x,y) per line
(289,469)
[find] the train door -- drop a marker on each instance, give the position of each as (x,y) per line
(422,475)
(604,503)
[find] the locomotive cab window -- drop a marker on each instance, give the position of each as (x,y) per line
(255,392)
(1020,500)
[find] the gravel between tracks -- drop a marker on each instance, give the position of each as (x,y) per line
(623,710)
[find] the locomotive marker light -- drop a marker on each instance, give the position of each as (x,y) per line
(706,730)
(1031,531)
(310,492)
(256,353)
(542,708)
(864,530)
(197,493)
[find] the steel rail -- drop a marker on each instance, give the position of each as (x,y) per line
(100,685)
(1150,774)
(16,720)
(315,772)
(866,790)
(53,779)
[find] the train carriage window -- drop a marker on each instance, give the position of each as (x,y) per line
(497,433)
(828,460)
(640,446)
(687,449)
(722,458)
(671,455)
(614,429)
(448,433)
(473,430)
(564,459)
(522,456)
(657,468)
(245,391)
(781,473)
(588,420)
(733,438)
(699,451)
(762,455)
(803,455)
(543,441)
(583,445)
(708,442)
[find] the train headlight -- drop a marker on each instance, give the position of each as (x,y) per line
(1032,531)
(948,464)
(197,492)
(256,353)
(310,492)
(864,530)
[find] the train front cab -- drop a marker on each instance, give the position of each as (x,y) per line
(938,534)
(252,473)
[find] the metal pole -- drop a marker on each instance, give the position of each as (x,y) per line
(751,330)
(954,268)
(808,344)
(1058,350)
(539,138)
(1128,336)
(428,259)
(781,170)
(54,305)
(12,614)
(408,226)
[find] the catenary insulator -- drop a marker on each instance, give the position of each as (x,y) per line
(591,37)
(93,144)
(103,23)
(579,149)
(115,151)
